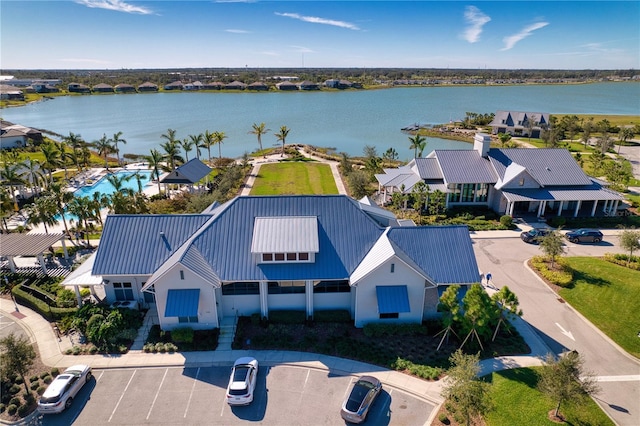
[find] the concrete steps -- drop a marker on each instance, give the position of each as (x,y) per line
(227,333)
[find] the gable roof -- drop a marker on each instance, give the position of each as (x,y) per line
(464,166)
(139,244)
(427,168)
(191,172)
(548,166)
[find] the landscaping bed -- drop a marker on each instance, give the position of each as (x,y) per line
(181,340)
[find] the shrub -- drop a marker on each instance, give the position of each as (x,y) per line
(14,389)
(40,390)
(622,259)
(287,317)
(562,276)
(45,374)
(34,385)
(506,221)
(76,350)
(19,380)
(333,315)
(557,221)
(170,347)
(34,378)
(2,408)
(54,372)
(11,409)
(23,410)
(442,417)
(149,347)
(159,347)
(47,379)
(422,371)
(29,398)
(15,400)
(182,335)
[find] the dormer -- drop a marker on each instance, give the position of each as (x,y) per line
(285,239)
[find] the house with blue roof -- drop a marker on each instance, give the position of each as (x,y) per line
(258,254)
(541,181)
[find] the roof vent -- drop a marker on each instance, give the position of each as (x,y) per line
(548,169)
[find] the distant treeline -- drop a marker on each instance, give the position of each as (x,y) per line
(365,76)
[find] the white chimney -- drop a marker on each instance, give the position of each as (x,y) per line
(482,143)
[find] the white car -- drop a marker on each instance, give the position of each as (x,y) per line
(59,394)
(242,382)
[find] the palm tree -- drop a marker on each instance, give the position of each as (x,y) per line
(121,199)
(625,134)
(115,140)
(282,137)
(10,174)
(196,140)
(64,156)
(259,130)
(187,145)
(219,137)
(172,153)
(77,143)
(43,210)
(51,158)
(416,143)
(207,142)
(60,198)
(6,207)
(82,208)
(33,174)
(155,163)
(104,147)
(98,202)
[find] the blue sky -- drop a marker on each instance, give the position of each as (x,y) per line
(114,34)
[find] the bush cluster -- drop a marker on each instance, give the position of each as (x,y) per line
(287,317)
(423,371)
(561,276)
(623,259)
(159,347)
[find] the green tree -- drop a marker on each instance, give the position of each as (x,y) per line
(587,129)
(390,154)
(60,198)
(115,140)
(630,241)
(564,379)
(218,138)
(259,130)
(76,143)
(437,202)
(597,161)
(155,159)
(626,133)
(552,246)
(11,176)
(618,172)
(358,182)
(32,174)
(504,139)
(420,193)
(346,166)
(104,147)
(464,390)
(52,159)
(17,356)
(507,306)
(42,210)
(170,147)
(282,137)
(418,142)
(530,123)
(207,142)
(83,209)
(479,314)
(197,140)
(187,145)
(449,305)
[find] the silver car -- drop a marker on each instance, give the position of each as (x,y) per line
(60,393)
(356,407)
(242,382)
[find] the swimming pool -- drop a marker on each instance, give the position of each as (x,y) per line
(104,187)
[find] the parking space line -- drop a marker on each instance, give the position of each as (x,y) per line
(122,395)
(195,379)
(346,391)
(157,393)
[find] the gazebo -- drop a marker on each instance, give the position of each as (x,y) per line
(189,173)
(13,245)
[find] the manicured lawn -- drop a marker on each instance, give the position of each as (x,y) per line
(294,178)
(609,296)
(518,402)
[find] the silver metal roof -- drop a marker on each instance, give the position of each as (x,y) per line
(464,166)
(427,168)
(27,244)
(286,234)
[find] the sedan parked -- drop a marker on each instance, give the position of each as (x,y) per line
(584,236)
(242,382)
(356,407)
(534,235)
(60,393)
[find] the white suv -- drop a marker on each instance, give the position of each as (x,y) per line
(59,395)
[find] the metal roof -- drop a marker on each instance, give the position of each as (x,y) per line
(285,234)
(182,302)
(444,253)
(191,172)
(392,299)
(83,274)
(586,193)
(139,244)
(427,168)
(464,166)
(548,166)
(27,244)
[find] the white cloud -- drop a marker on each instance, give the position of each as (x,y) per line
(115,5)
(475,20)
(317,20)
(231,30)
(511,40)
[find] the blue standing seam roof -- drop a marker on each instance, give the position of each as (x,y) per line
(182,303)
(392,299)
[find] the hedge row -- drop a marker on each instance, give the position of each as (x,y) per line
(51,312)
(623,259)
(561,276)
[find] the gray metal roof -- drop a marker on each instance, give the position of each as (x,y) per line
(190,172)
(464,166)
(16,244)
(444,253)
(586,193)
(139,244)
(427,168)
(548,166)
(285,234)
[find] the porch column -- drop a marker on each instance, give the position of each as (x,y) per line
(308,292)
(512,205)
(264,305)
(560,208)
(615,207)
(541,208)
(575,213)
(64,249)
(593,210)
(12,264)
(76,288)
(41,261)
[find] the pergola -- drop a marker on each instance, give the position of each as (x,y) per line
(13,245)
(82,277)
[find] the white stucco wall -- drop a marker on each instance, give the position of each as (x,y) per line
(286,302)
(325,301)
(207,310)
(245,304)
(136,281)
(366,309)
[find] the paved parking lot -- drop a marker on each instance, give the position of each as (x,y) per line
(285,395)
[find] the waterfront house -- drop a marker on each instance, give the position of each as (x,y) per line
(175,85)
(258,86)
(253,255)
(286,85)
(11,93)
(17,136)
(214,85)
(78,88)
(125,88)
(518,123)
(102,88)
(235,85)
(147,86)
(309,85)
(541,181)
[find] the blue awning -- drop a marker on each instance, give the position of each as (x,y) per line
(182,303)
(392,299)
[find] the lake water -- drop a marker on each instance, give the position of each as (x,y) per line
(347,121)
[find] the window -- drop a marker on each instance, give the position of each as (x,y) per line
(482,189)
(285,257)
(286,287)
(389,315)
(303,256)
(341,286)
(279,257)
(187,319)
(467,192)
(291,256)
(393,268)
(123,291)
(240,288)
(454,194)
(267,257)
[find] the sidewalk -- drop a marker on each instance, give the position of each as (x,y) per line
(52,354)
